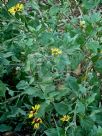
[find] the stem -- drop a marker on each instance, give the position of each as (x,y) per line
(74,117)
(8,100)
(56,126)
(77,4)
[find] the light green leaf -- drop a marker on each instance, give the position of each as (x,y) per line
(91,98)
(61,108)
(35,92)
(22,85)
(80,107)
(53,132)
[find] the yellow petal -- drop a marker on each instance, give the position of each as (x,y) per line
(36,125)
(65,118)
(33,108)
(37,106)
(12,10)
(19,7)
(82,24)
(30,115)
(56,51)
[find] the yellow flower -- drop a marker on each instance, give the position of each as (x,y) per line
(30,115)
(12,10)
(36,126)
(36,107)
(34,110)
(19,7)
(82,24)
(65,118)
(16,8)
(37,122)
(56,51)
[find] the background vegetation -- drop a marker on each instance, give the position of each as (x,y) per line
(51,56)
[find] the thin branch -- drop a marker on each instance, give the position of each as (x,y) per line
(77,4)
(11,99)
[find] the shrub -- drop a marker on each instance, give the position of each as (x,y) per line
(51,68)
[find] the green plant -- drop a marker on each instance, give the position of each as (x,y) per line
(50,57)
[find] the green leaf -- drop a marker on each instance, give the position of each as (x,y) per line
(16,112)
(91,98)
(18,127)
(89,4)
(98,65)
(35,92)
(8,54)
(82,89)
(87,124)
(12,3)
(22,85)
(43,109)
(75,58)
(54,10)
(93,46)
(4,128)
(2,89)
(53,132)
(80,107)
(61,108)
(99,131)
(71,82)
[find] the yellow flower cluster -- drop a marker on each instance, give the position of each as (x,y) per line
(65,118)
(16,8)
(36,121)
(34,110)
(56,51)
(82,24)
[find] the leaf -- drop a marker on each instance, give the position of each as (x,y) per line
(43,109)
(96,116)
(98,65)
(91,98)
(82,89)
(35,92)
(29,42)
(99,131)
(62,62)
(93,46)
(76,58)
(80,107)
(61,108)
(4,128)
(8,54)
(53,132)
(53,10)
(18,127)
(72,83)
(22,85)
(34,5)
(63,93)
(27,67)
(12,3)
(2,89)
(16,112)
(87,123)
(77,71)
(89,4)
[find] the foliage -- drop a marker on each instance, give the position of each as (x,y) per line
(51,57)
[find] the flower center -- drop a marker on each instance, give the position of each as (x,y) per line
(37,120)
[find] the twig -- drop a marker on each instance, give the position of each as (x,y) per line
(77,4)
(8,100)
